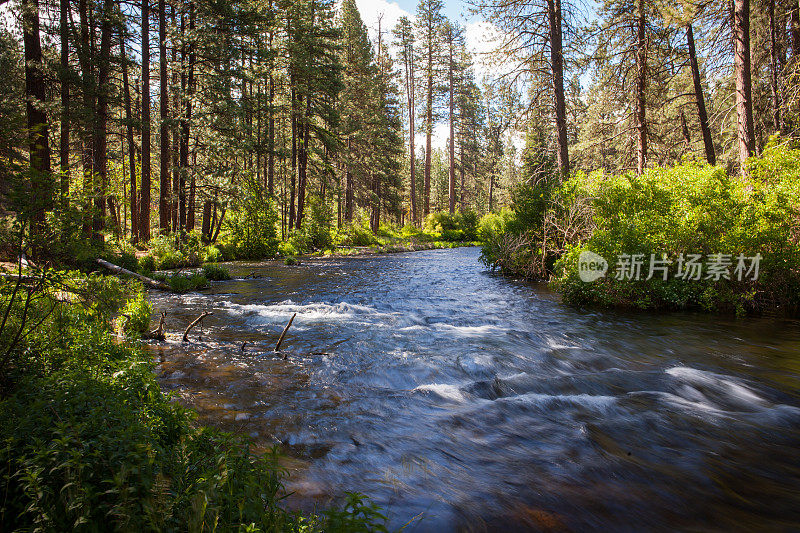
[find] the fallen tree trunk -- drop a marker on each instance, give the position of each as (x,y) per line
(144,279)
(193,324)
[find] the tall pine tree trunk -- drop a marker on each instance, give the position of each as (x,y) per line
(641,85)
(131,146)
(451,177)
(144,197)
(774,69)
(426,186)
(744,102)
(271,110)
(190,95)
(65,117)
(183,160)
(700,99)
(100,138)
(557,65)
(294,157)
(35,95)
(164,157)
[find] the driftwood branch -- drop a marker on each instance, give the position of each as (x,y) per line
(280,339)
(193,324)
(147,281)
(157,333)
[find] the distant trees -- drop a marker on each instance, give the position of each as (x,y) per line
(295,97)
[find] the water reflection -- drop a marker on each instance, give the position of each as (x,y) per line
(475,403)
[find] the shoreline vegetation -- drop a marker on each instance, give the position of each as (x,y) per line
(666,213)
(88,436)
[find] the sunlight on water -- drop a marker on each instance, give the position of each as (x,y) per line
(484,404)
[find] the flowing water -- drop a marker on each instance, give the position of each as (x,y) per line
(463,401)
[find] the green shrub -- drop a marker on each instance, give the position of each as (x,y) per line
(211,254)
(252,222)
(452,235)
(356,234)
(286,249)
(134,318)
(215,272)
(699,209)
(147,263)
(184,283)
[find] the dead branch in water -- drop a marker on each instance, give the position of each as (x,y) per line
(280,340)
(144,279)
(158,333)
(193,324)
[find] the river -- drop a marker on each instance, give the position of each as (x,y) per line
(460,400)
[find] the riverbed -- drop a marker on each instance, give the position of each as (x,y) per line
(459,400)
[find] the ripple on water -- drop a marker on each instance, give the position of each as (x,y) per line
(483,404)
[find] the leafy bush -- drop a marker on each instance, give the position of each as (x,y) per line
(215,272)
(134,318)
(252,223)
(211,254)
(694,208)
(356,234)
(184,283)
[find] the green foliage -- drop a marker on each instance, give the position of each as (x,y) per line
(252,224)
(215,272)
(187,283)
(89,442)
(356,234)
(455,227)
(165,253)
(694,208)
(134,318)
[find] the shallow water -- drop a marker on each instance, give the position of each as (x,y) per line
(463,401)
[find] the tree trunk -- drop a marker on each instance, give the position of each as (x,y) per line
(451,175)
(557,62)
(348,187)
(774,69)
(144,197)
(35,95)
(302,162)
(190,95)
(794,22)
(131,147)
(65,118)
(426,186)
(184,143)
(687,138)
(85,53)
(294,157)
(641,85)
(164,208)
(206,227)
(700,99)
(271,111)
(100,139)
(744,103)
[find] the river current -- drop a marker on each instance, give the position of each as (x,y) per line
(459,400)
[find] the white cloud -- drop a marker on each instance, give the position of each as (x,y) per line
(389,14)
(482,39)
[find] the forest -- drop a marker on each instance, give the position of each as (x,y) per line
(161,160)
(125,121)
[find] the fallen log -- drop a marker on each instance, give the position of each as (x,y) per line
(280,339)
(144,279)
(193,324)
